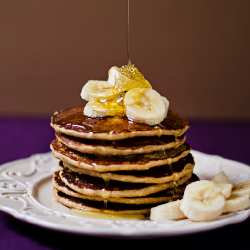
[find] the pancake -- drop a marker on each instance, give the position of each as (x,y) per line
(114,163)
(89,185)
(163,196)
(117,166)
(136,145)
(72,122)
(98,206)
(116,206)
(158,174)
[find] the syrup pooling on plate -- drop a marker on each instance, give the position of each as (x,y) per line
(105,216)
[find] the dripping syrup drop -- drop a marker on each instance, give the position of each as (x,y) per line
(175,180)
(105,194)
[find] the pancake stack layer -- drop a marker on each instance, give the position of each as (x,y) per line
(114,165)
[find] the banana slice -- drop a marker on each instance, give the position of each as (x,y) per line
(127,78)
(226,189)
(221,177)
(170,211)
(166,102)
(104,95)
(242,188)
(223,182)
(202,201)
(145,105)
(92,87)
(96,109)
(236,202)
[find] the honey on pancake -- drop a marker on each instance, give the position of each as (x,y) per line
(74,120)
(95,160)
(113,104)
(105,193)
(175,179)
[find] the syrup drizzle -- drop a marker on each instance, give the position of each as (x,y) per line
(127,38)
(105,193)
(175,178)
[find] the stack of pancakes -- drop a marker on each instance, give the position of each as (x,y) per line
(114,165)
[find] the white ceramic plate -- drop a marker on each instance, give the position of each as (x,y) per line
(25,193)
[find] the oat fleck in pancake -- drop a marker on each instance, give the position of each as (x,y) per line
(73,122)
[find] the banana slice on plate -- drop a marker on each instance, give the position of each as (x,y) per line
(236,202)
(226,189)
(145,105)
(94,88)
(170,211)
(242,188)
(202,201)
(221,177)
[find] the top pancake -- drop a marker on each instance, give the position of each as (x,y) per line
(73,122)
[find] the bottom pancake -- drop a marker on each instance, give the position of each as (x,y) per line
(98,206)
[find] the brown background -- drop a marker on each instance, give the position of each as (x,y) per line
(194,52)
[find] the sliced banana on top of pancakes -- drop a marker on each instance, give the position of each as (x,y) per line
(145,105)
(124,94)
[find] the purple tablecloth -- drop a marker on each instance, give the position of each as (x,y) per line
(22,137)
